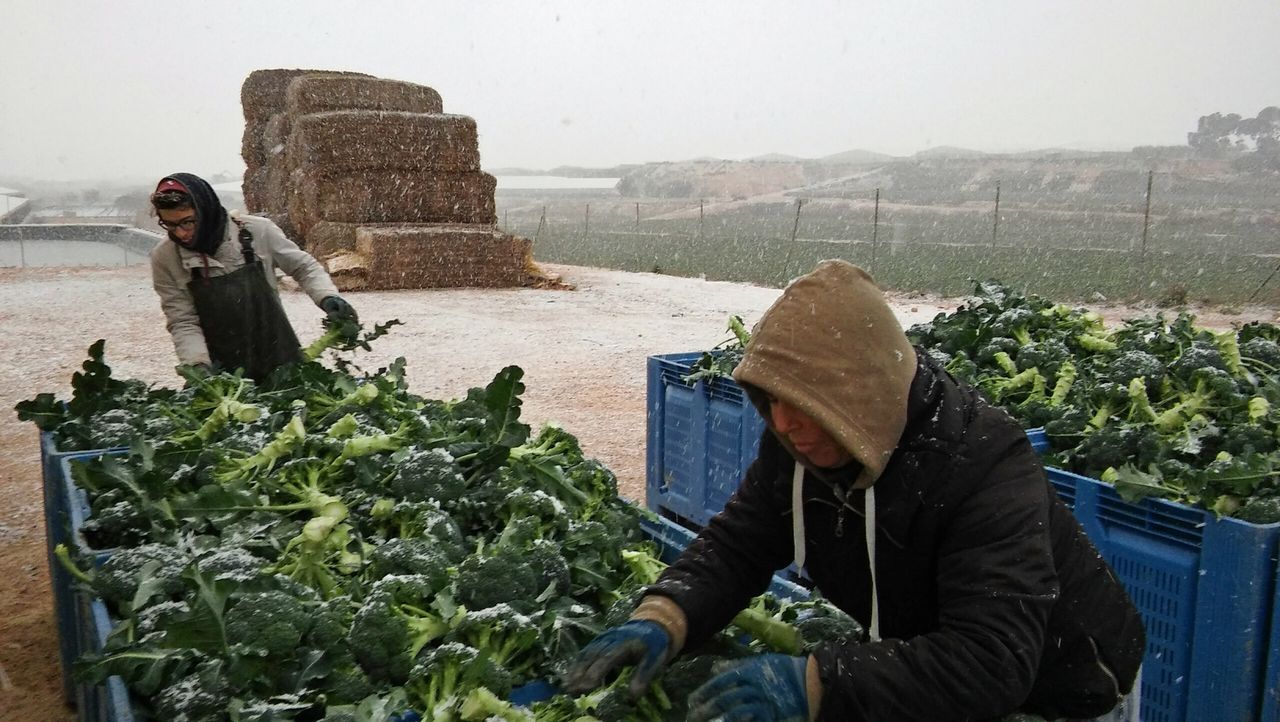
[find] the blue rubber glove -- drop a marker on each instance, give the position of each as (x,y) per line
(337,309)
(640,642)
(767,688)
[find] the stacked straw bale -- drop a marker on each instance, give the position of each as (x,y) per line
(377,181)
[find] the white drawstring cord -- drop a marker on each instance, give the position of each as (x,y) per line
(797,515)
(870,523)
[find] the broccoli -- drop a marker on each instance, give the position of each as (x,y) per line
(822,623)
(482,705)
(999,388)
(1213,389)
(277,708)
(220,395)
(120,524)
(510,638)
(1262,352)
(202,696)
(132,575)
(532,504)
(428,475)
(1015,323)
(155,619)
(266,624)
(231,563)
(1135,364)
(418,556)
(418,520)
(286,440)
(321,556)
(1107,400)
(399,617)
(961,366)
(346,683)
(441,681)
(1116,445)
(1067,430)
(501,574)
(987,353)
(614,702)
(1047,356)
(1260,510)
(1201,354)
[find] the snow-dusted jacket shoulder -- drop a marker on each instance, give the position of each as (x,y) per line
(171,267)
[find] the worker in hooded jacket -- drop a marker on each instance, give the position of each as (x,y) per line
(217,282)
(913,505)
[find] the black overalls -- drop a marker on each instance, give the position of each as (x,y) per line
(243,321)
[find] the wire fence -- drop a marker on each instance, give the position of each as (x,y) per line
(1121,246)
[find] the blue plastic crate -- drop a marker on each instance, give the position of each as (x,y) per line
(1038,440)
(109,701)
(57,530)
(1205,588)
(701,439)
(1271,681)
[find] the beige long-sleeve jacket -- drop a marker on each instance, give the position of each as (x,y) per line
(171,273)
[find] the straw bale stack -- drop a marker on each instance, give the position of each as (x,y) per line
(443,256)
(376,181)
(320,93)
(373,196)
(263,93)
(360,140)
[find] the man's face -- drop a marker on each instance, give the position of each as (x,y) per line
(180,223)
(807,436)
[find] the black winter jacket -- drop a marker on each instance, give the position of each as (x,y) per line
(991,597)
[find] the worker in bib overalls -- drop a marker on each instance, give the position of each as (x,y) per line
(217,282)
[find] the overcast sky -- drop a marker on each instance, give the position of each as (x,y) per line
(127,88)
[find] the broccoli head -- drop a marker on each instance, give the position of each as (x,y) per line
(266,624)
(1261,350)
(1136,364)
(497,575)
(441,681)
(428,475)
(420,556)
(506,635)
(400,616)
(1047,356)
(127,570)
(202,696)
(1201,354)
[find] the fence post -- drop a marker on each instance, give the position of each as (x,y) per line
(1146,215)
(995,228)
(542,223)
(786,263)
(586,222)
(875,232)
(700,218)
(637,215)
(22,253)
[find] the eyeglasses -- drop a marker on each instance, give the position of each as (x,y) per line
(187,224)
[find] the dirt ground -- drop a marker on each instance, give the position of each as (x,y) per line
(583,352)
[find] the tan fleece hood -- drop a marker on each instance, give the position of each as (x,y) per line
(831,347)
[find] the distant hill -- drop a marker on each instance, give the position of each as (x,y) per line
(568,171)
(857,155)
(773,158)
(949,151)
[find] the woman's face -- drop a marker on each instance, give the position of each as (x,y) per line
(806,436)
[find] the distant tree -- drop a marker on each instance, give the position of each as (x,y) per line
(1252,143)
